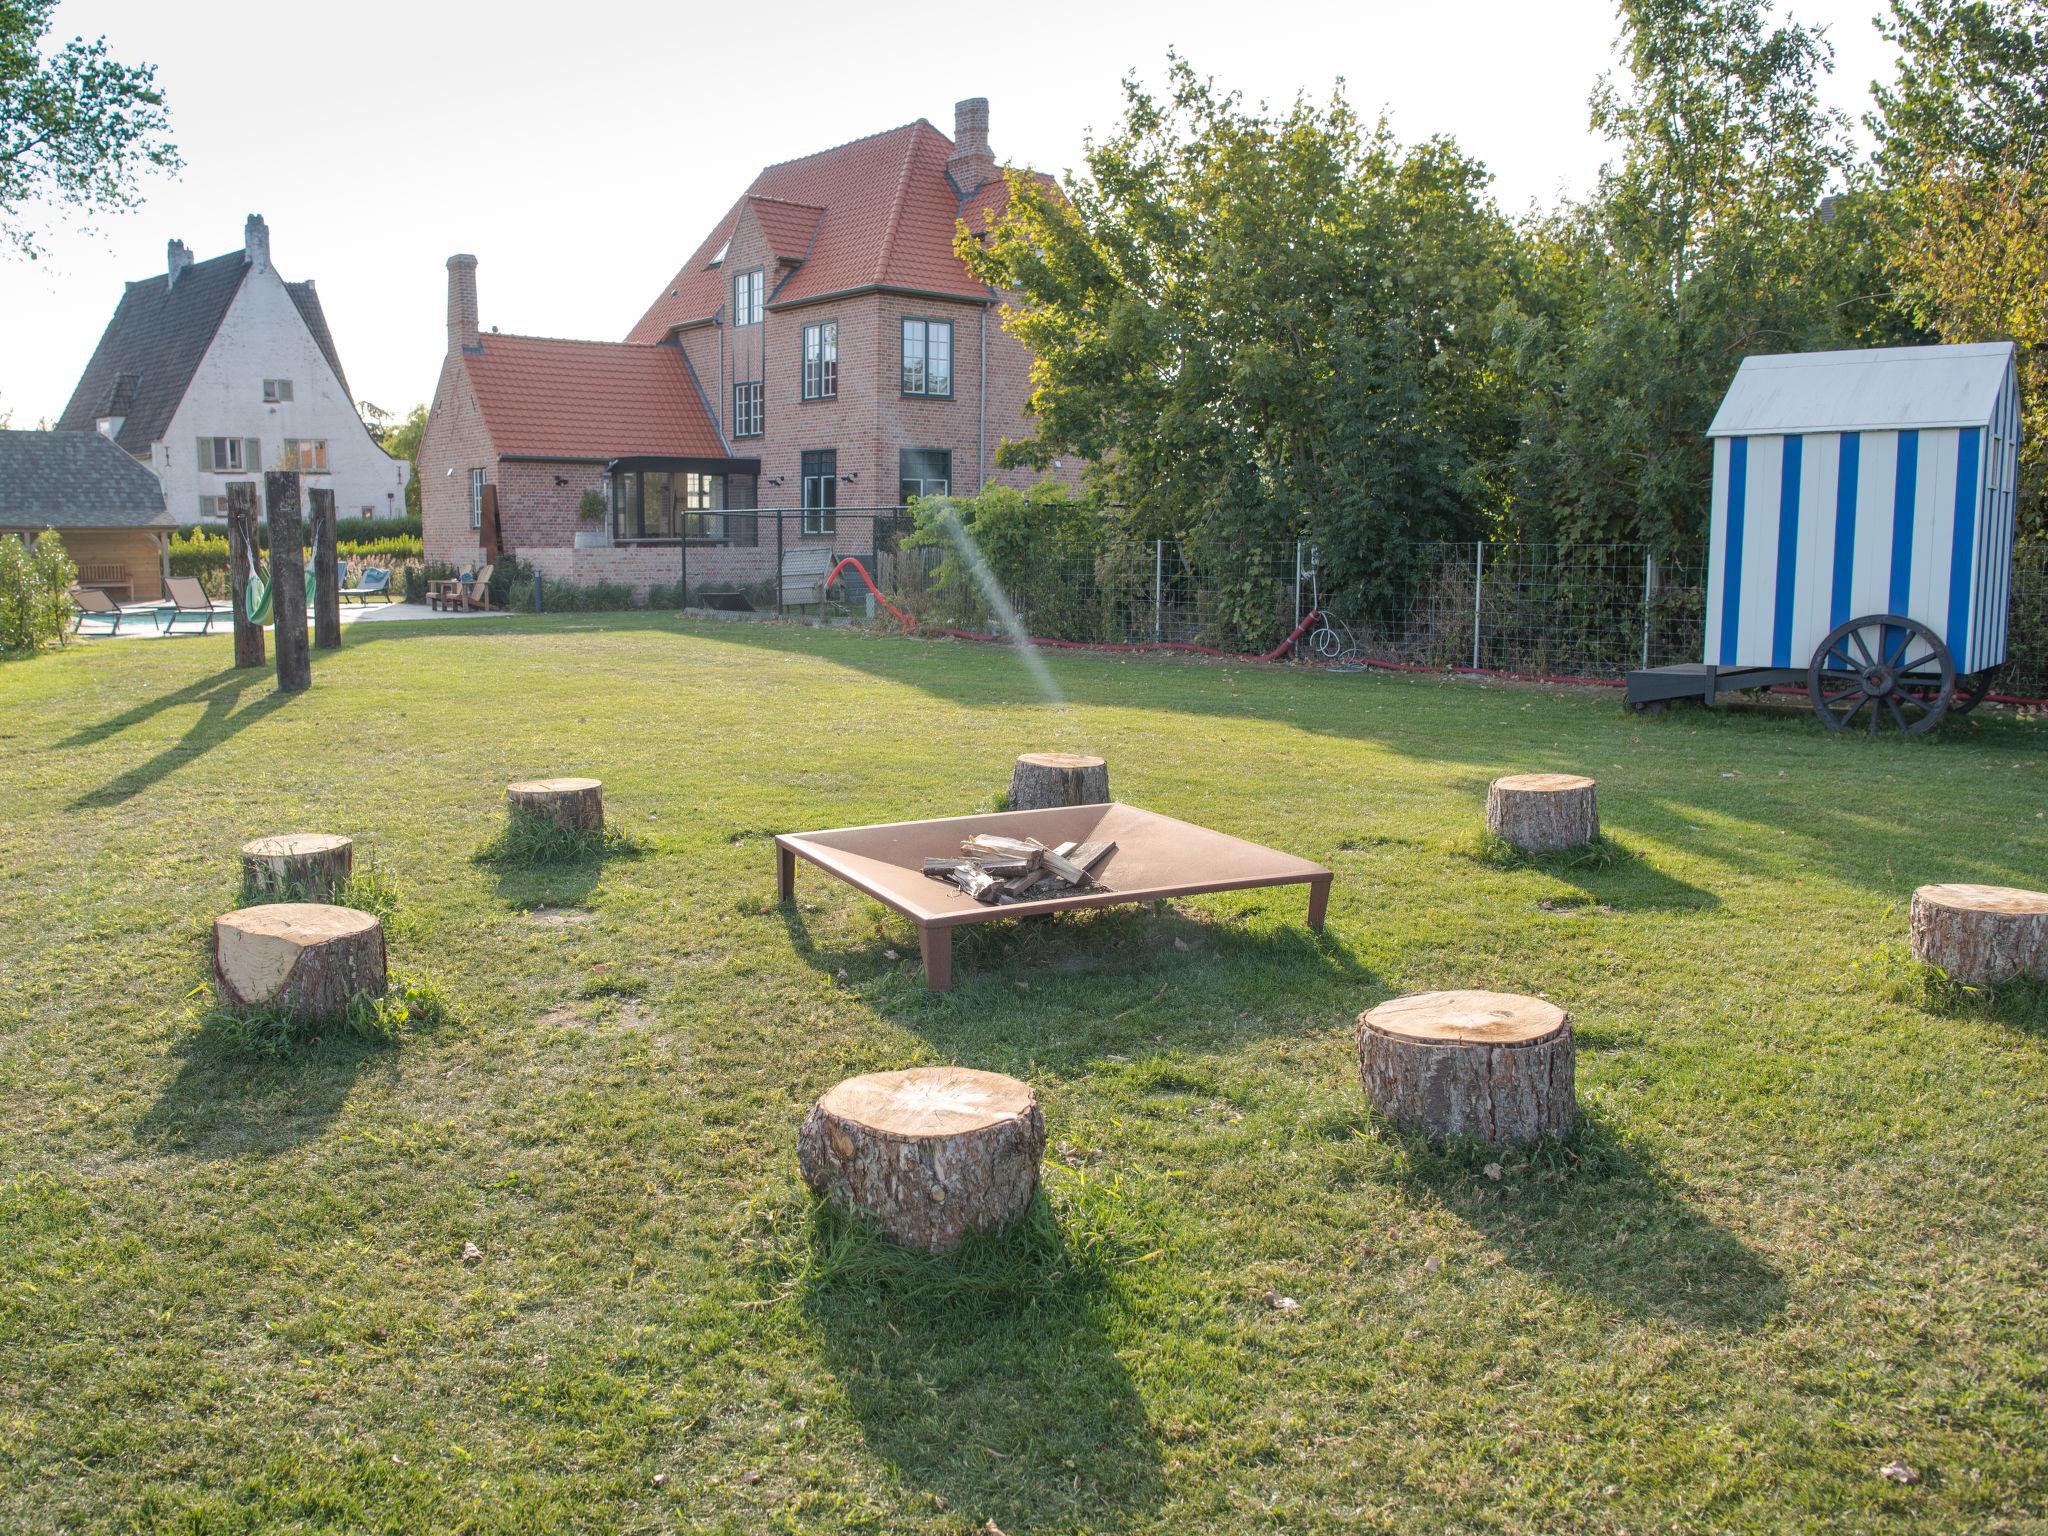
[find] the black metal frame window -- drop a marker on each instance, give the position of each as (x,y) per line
(746,409)
(746,297)
(927,356)
(821,491)
(703,500)
(644,506)
(821,360)
(924,472)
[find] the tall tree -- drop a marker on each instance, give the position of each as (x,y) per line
(401,439)
(1962,131)
(77,127)
(1704,241)
(1262,324)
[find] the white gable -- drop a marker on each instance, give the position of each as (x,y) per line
(1876,390)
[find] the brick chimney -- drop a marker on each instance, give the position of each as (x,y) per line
(256,242)
(462,304)
(177,257)
(971,163)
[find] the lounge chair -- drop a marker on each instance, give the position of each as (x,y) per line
(189,601)
(376,582)
(476,597)
(92,603)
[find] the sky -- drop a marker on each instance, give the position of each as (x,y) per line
(580,152)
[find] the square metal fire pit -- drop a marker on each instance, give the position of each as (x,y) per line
(1156,857)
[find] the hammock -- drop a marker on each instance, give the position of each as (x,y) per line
(256,600)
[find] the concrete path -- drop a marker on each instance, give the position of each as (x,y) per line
(140,627)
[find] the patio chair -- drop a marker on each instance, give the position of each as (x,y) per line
(476,597)
(448,589)
(188,600)
(376,582)
(92,603)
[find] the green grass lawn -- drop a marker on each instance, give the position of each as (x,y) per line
(1799,1234)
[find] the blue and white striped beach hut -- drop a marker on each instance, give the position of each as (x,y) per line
(1849,484)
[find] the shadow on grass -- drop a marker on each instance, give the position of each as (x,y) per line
(1060,990)
(218,721)
(1600,1217)
(227,1103)
(1606,874)
(986,1375)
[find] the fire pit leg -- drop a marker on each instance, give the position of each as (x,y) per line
(785,874)
(1318,902)
(937,945)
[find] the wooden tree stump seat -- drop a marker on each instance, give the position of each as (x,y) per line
(928,1154)
(303,959)
(576,805)
(1494,1065)
(1543,812)
(305,866)
(1981,935)
(1044,779)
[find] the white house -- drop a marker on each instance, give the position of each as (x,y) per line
(215,371)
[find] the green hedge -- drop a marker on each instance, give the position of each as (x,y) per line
(349,530)
(201,551)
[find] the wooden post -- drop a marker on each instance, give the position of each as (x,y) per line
(288,579)
(928,1155)
(326,579)
(242,560)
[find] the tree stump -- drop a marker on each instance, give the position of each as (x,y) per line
(1044,779)
(1981,934)
(929,1154)
(1488,1064)
(576,805)
(305,960)
(302,866)
(1543,812)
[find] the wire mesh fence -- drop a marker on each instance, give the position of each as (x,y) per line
(1592,611)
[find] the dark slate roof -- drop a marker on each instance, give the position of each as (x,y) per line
(75,480)
(316,321)
(156,341)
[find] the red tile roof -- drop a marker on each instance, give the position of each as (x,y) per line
(788,228)
(546,398)
(885,211)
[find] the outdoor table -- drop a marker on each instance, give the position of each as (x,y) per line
(1156,857)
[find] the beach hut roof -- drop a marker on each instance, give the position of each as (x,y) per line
(1878,389)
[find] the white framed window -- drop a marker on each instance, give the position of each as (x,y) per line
(746,409)
(476,498)
(308,455)
(821,360)
(924,472)
(276,391)
(746,297)
(821,491)
(927,356)
(229,455)
(213,507)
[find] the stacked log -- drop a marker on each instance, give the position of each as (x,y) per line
(575,805)
(929,1154)
(1981,935)
(305,960)
(302,866)
(1543,812)
(1041,780)
(1494,1065)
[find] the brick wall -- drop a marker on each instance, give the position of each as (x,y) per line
(537,501)
(456,440)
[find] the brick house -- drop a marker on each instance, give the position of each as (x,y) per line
(823,353)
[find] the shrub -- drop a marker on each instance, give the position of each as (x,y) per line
(1041,547)
(34,581)
(416,578)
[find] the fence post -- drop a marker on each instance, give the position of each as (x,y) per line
(1158,575)
(1297,583)
(1649,569)
(779,613)
(538,605)
(1478,595)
